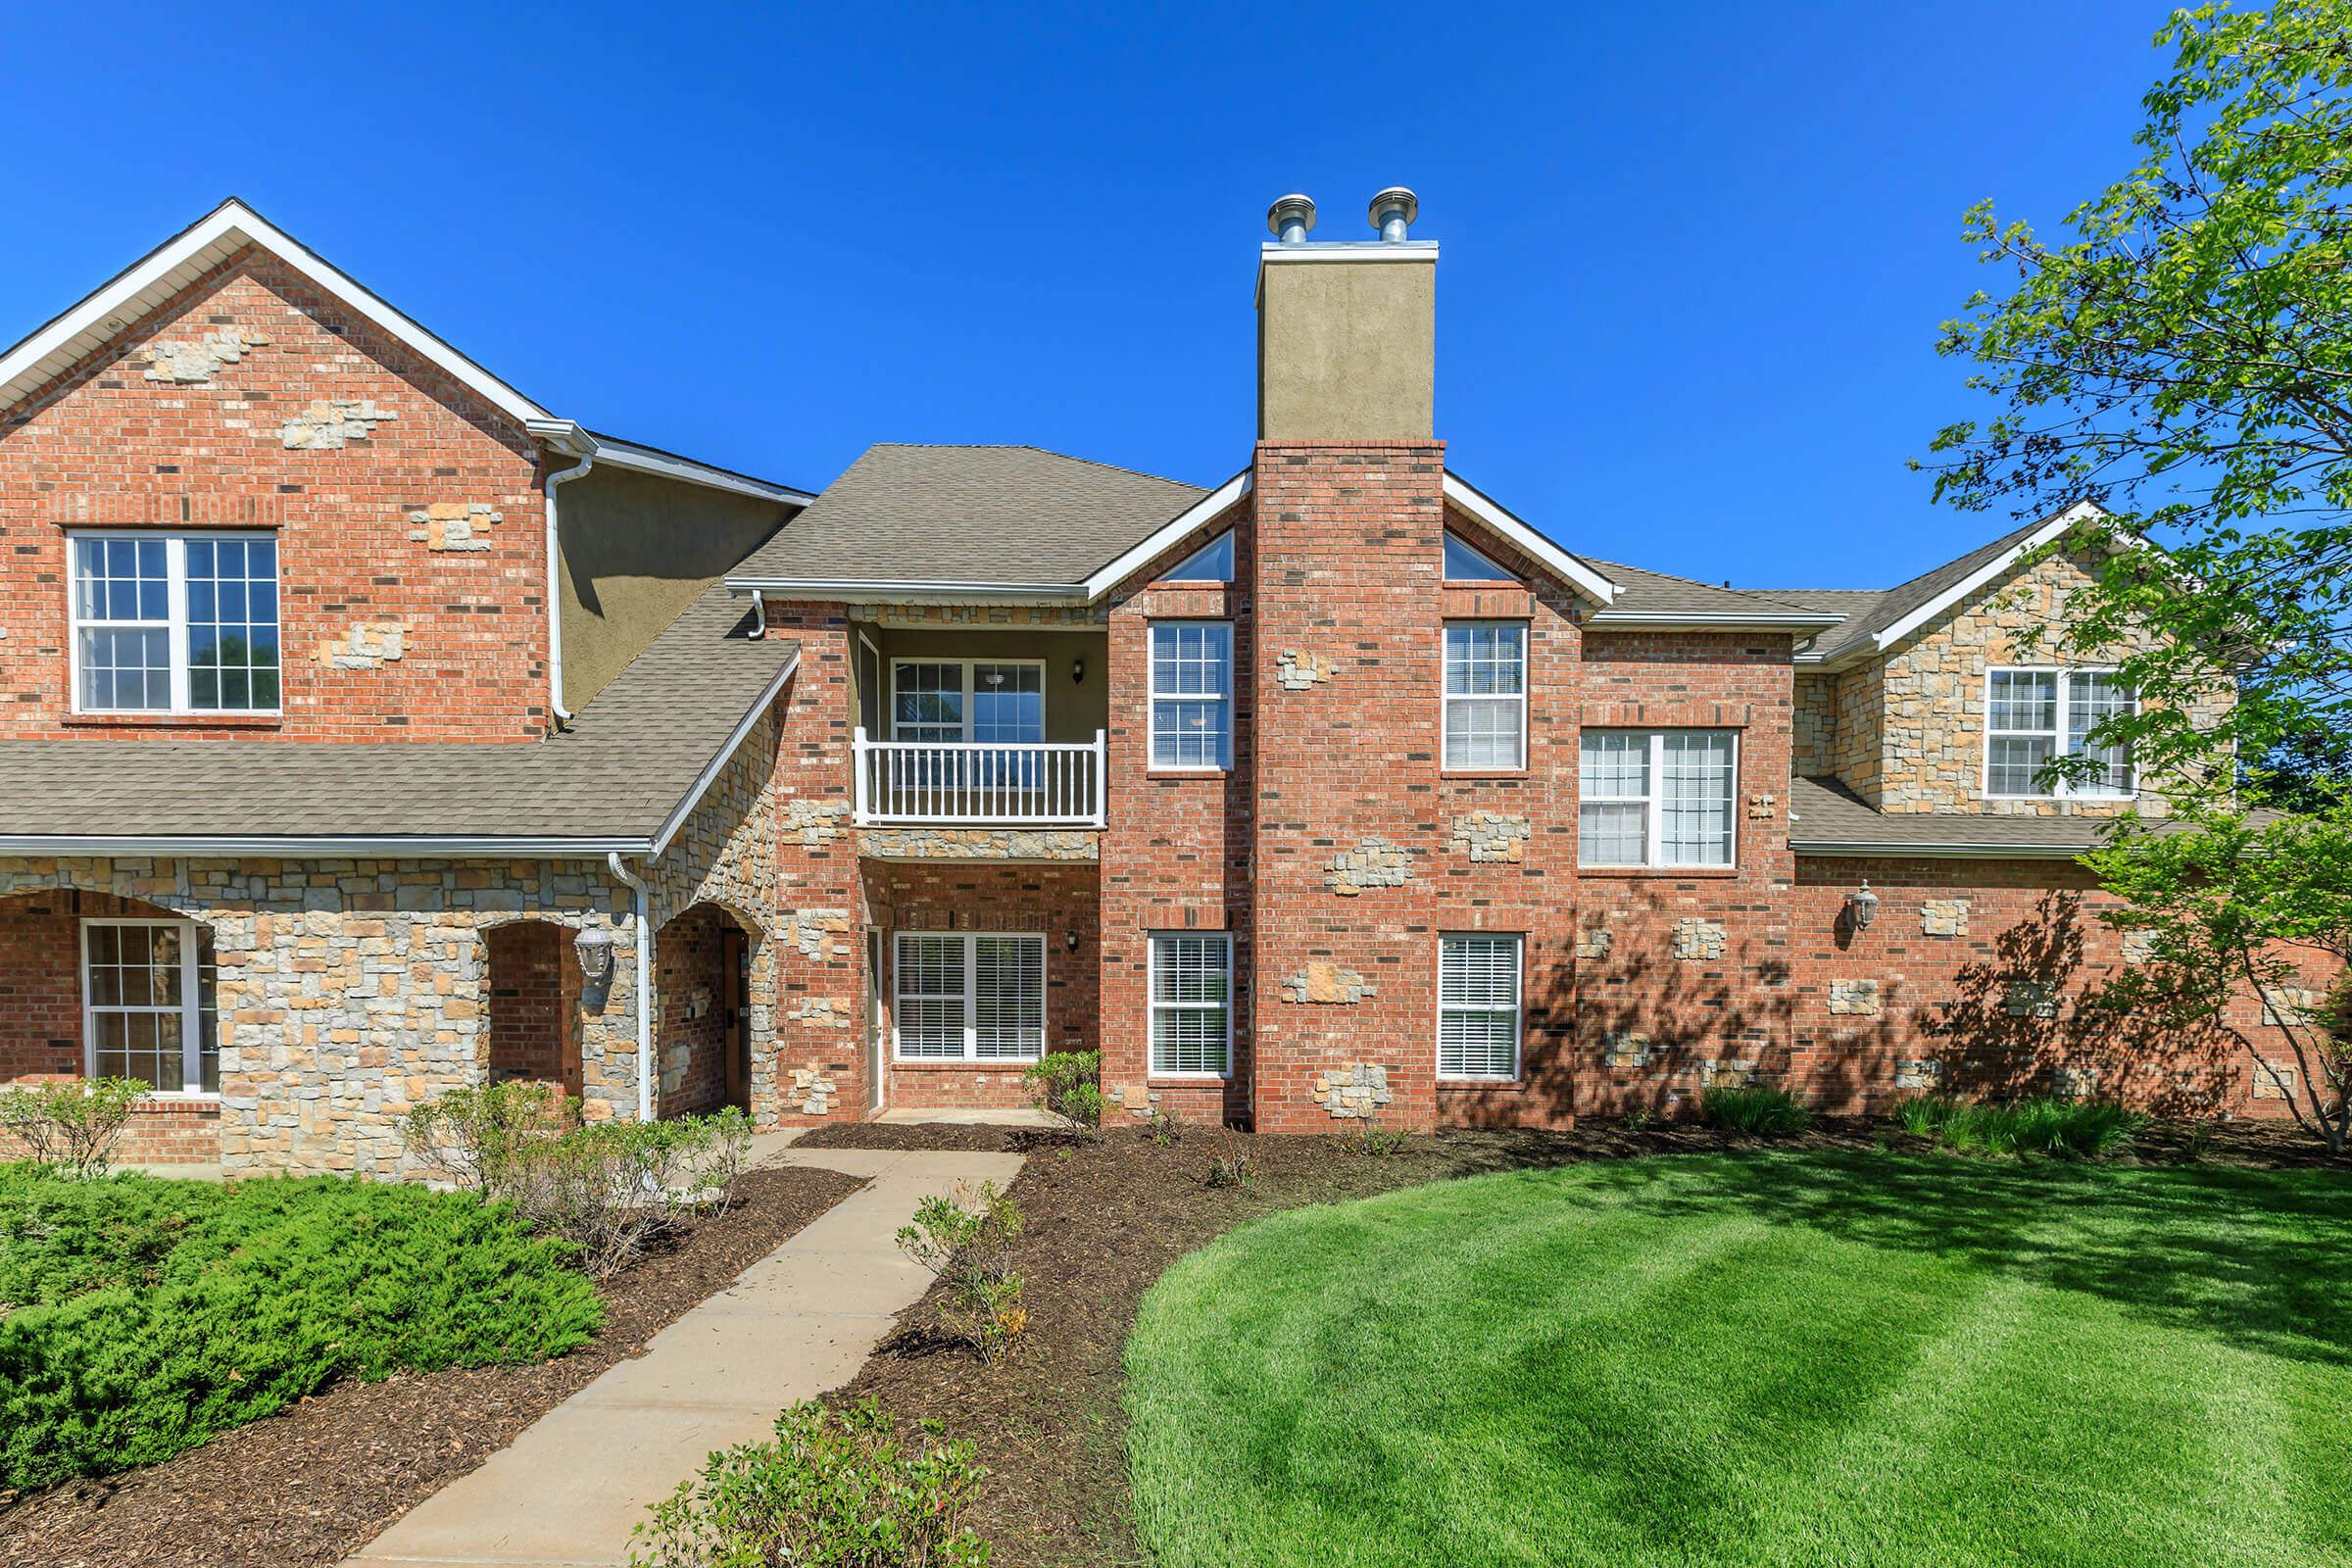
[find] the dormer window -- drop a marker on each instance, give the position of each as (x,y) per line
(1465,565)
(174,623)
(2033,717)
(1212,563)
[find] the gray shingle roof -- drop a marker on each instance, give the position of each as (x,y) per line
(1868,612)
(1642,592)
(1825,816)
(626,763)
(1008,516)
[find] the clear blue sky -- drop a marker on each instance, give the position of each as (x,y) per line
(1694,255)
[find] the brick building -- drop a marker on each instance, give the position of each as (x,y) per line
(372,728)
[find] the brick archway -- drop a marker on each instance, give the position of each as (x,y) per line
(532,986)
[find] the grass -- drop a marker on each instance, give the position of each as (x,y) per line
(2065,1129)
(139,1317)
(1789,1358)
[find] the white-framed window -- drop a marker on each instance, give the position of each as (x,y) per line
(1657,797)
(994,702)
(148,1004)
(1212,563)
(1478,1004)
(1486,694)
(1192,1004)
(1466,563)
(1192,694)
(969,995)
(2032,715)
(174,622)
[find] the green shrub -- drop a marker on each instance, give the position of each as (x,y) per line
(1764,1111)
(2062,1129)
(1069,1084)
(832,1491)
(609,1187)
(1230,1171)
(72,1126)
(1375,1142)
(1167,1127)
(966,1239)
(139,1317)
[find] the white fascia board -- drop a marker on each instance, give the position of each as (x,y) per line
(885,591)
(163,272)
(709,773)
(2079,511)
(572,440)
(1861,850)
(293,846)
(1576,573)
(1168,534)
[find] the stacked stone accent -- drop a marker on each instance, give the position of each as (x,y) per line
(817,823)
(455,526)
(1355,1092)
(1763,808)
(1297,672)
(1729,1072)
(1327,983)
(812,1091)
(1943,917)
(1593,943)
(1696,938)
(1372,863)
(2030,999)
(328,424)
(980,843)
(1494,837)
(1625,1048)
(369,645)
(1854,998)
(196,363)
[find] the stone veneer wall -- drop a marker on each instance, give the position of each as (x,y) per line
(1926,753)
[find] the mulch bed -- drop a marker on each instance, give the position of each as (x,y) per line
(318,1481)
(1106,1218)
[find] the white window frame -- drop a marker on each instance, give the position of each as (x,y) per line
(1654,804)
(1154,696)
(1518,939)
(190,1009)
(1446,699)
(1153,1006)
(968,665)
(971,943)
(176,609)
(2061,788)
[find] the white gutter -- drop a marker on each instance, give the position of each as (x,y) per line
(881,591)
(292,846)
(555,597)
(645,986)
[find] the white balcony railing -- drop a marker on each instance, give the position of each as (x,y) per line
(979,783)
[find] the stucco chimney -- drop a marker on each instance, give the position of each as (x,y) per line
(1347,330)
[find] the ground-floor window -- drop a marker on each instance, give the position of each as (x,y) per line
(1192,1004)
(1477,1006)
(970,997)
(149,1013)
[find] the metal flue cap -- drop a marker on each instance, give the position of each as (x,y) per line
(1291,219)
(1394,211)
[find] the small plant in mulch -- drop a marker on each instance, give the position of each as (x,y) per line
(1639,1119)
(2062,1129)
(834,1490)
(1069,1085)
(966,1239)
(1375,1142)
(1229,1171)
(1760,1112)
(71,1128)
(1167,1127)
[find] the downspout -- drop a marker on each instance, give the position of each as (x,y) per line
(555,600)
(645,985)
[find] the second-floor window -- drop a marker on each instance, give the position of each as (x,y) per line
(1486,694)
(2033,717)
(1656,796)
(1192,694)
(174,623)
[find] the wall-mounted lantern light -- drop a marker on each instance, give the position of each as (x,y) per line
(593,946)
(1078,671)
(1069,941)
(1863,905)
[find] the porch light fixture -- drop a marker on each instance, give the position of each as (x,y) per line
(1863,905)
(1069,940)
(593,946)
(1078,670)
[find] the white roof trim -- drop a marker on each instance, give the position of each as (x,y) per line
(1168,534)
(884,591)
(198,846)
(709,772)
(155,278)
(1576,573)
(573,440)
(2079,511)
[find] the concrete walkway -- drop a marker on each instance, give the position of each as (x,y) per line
(794,1325)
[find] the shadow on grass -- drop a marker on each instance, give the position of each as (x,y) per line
(2261,1258)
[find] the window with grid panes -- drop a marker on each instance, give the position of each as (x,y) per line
(1192,1004)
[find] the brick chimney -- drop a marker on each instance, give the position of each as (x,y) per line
(1347,585)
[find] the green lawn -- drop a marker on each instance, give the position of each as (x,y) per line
(1787,1359)
(139,1317)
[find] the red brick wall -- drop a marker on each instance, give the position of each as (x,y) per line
(534,1003)
(1058,900)
(1176,847)
(108,447)
(690,973)
(40,1019)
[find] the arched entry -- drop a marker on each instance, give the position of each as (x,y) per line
(703,962)
(532,985)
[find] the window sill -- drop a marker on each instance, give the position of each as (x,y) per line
(1186,1080)
(1457,1085)
(1481,772)
(252,722)
(1186,772)
(177,1100)
(963,1063)
(1643,873)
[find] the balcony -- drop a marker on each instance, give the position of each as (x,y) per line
(983,784)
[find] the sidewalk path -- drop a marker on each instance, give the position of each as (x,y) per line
(794,1325)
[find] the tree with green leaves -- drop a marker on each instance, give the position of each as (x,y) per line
(2182,356)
